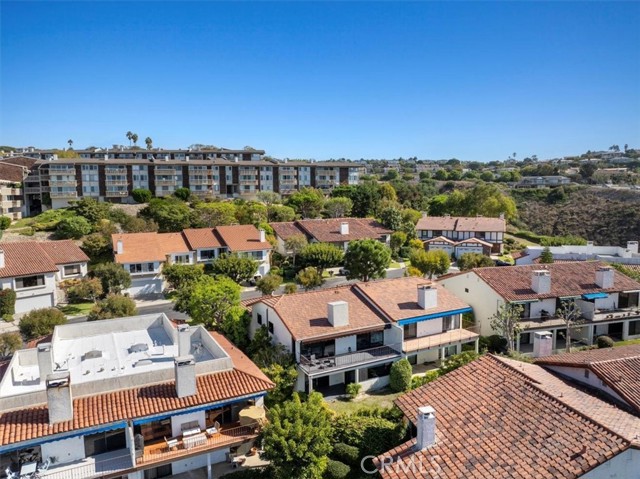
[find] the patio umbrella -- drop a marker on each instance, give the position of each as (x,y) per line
(252,414)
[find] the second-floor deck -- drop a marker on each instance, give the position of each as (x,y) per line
(312,365)
(108,464)
(447,338)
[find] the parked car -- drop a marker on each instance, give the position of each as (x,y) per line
(343,272)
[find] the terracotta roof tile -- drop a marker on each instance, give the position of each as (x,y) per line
(140,247)
(327,230)
(493,421)
(242,238)
(567,279)
(35,257)
(286,230)
(202,238)
(461,223)
(64,252)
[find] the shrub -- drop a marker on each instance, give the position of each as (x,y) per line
(457,360)
(113,306)
(40,322)
(5,222)
(493,344)
(180,275)
(96,245)
(114,277)
(7,303)
(182,193)
(353,389)
(400,376)
(290,288)
(346,453)
(9,344)
(429,376)
(269,283)
(73,228)
(86,289)
(48,221)
(29,231)
(141,195)
(370,434)
(336,470)
(604,342)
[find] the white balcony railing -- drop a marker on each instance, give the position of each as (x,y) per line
(63,194)
(101,465)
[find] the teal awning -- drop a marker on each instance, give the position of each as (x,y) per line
(595,295)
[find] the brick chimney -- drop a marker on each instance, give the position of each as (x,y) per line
(426,428)
(59,400)
(427,296)
(541,281)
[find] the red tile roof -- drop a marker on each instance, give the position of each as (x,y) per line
(38,257)
(202,238)
(461,223)
(12,173)
(142,247)
(439,238)
(328,230)
(286,230)
(100,409)
(567,279)
(398,298)
(242,238)
(493,421)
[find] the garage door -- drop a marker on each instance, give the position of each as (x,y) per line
(24,305)
(142,288)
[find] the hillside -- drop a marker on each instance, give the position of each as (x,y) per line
(608,217)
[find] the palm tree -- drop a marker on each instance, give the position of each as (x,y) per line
(149,142)
(70,141)
(134,137)
(129,136)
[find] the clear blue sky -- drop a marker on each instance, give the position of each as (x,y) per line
(476,81)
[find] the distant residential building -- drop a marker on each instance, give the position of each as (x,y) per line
(458,228)
(608,300)
(34,270)
(458,248)
(610,254)
(130,398)
(13,172)
(144,254)
(336,231)
(542,181)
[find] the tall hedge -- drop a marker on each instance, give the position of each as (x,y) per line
(400,377)
(7,302)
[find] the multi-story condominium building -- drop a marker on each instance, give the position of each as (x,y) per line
(111,175)
(353,333)
(337,231)
(542,181)
(144,254)
(607,300)
(34,270)
(458,228)
(13,172)
(129,398)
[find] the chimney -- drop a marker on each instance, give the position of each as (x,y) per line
(185,369)
(605,277)
(119,247)
(501,216)
(426,428)
(338,313)
(541,281)
(427,296)
(263,235)
(184,340)
(59,400)
(106,156)
(2,258)
(186,158)
(632,246)
(166,157)
(45,360)
(344,228)
(542,344)
(55,156)
(589,247)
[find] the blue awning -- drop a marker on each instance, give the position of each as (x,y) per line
(426,317)
(595,295)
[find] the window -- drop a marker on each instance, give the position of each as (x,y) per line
(437,232)
(259,318)
(207,254)
(270,327)
(450,322)
(586,373)
(369,340)
(634,328)
(410,330)
(72,269)
(181,258)
(30,281)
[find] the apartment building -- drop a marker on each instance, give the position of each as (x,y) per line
(459,228)
(111,175)
(35,269)
(354,333)
(144,254)
(607,300)
(13,172)
(130,398)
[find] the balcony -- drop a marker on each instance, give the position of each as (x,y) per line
(101,465)
(201,192)
(620,313)
(441,340)
(166,182)
(116,182)
(199,181)
(32,191)
(63,194)
(249,182)
(63,182)
(312,365)
(115,171)
(159,452)
(116,194)
(165,171)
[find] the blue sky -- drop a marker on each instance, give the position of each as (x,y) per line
(475,81)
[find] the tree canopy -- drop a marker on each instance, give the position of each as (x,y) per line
(208,300)
(238,268)
(366,259)
(113,306)
(307,202)
(430,263)
(321,256)
(171,214)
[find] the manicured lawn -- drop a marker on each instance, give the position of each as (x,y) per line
(77,309)
(394,264)
(376,399)
(626,343)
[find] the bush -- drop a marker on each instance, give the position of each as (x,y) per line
(7,303)
(290,288)
(493,344)
(141,195)
(181,275)
(457,360)
(372,435)
(5,222)
(40,322)
(48,221)
(114,277)
(96,245)
(429,376)
(113,306)
(353,389)
(604,342)
(9,344)
(269,283)
(346,453)
(182,193)
(400,376)
(85,289)
(336,470)
(73,228)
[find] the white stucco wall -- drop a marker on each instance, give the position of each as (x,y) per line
(179,420)
(343,344)
(66,450)
(549,305)
(429,327)
(577,374)
(197,462)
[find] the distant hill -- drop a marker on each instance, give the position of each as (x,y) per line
(606,216)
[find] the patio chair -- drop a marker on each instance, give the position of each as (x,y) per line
(172,444)
(45,465)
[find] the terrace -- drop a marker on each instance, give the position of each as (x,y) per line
(447,338)
(313,365)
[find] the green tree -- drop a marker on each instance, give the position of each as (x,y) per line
(5,222)
(268,197)
(307,202)
(113,306)
(280,213)
(129,136)
(73,228)
(171,214)
(251,213)
(388,192)
(391,218)
(7,303)
(488,200)
(546,257)
(214,214)
(9,344)
(96,245)
(113,277)
(269,283)
(366,197)
(181,275)
(294,245)
(457,360)
(238,268)
(141,195)
(321,256)
(309,278)
(468,261)
(182,194)
(400,376)
(506,322)
(297,438)
(398,239)
(209,300)
(367,259)
(571,316)
(430,263)
(235,326)
(40,322)
(149,142)
(92,210)
(284,378)
(133,224)
(339,207)
(85,289)
(441,175)
(134,138)
(411,216)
